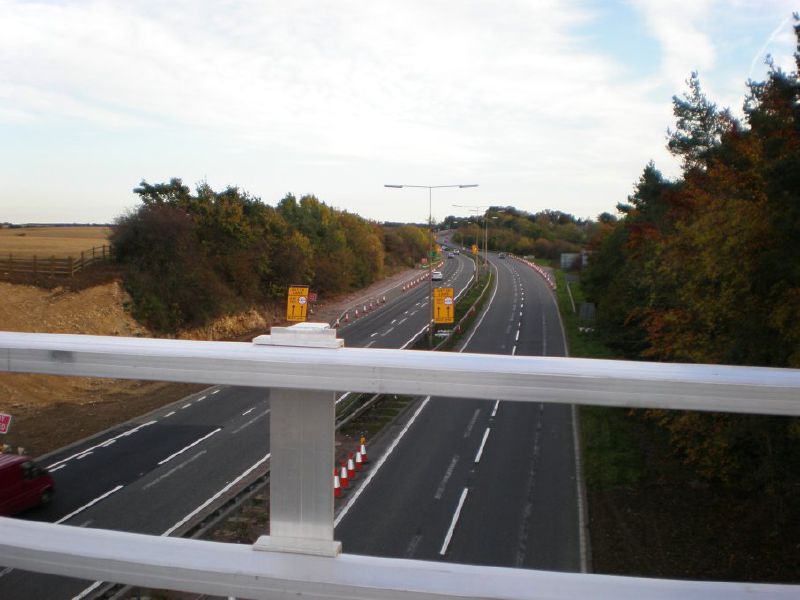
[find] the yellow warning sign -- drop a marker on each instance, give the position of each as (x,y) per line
(297,304)
(443,305)
(474,249)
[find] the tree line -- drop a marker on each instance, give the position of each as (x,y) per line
(190,257)
(706,268)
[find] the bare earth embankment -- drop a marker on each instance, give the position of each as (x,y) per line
(50,412)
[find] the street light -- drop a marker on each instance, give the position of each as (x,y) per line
(477,209)
(430,238)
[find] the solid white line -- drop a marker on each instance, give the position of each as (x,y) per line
(457,514)
(415,336)
(192,445)
(169,414)
(116,437)
(57,468)
(380,462)
(174,469)
(496,404)
(185,519)
(483,443)
(92,503)
(485,312)
(248,411)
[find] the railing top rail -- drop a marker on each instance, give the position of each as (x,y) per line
(236,569)
(518,378)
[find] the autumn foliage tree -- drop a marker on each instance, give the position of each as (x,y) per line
(705,269)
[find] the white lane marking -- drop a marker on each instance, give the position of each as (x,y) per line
(472,422)
(496,404)
(388,331)
(456,515)
(380,462)
(89,504)
(520,312)
(519,324)
(370,344)
(107,443)
(522,305)
(251,421)
(582,542)
(57,468)
(516,337)
(169,414)
(185,519)
(116,437)
(192,445)
(185,406)
(412,314)
(215,392)
(6,571)
(201,398)
(174,469)
(483,443)
(88,590)
(544,335)
(404,346)
(514,351)
(373,334)
(485,312)
(447,475)
(342,397)
(403,320)
(393,321)
(248,411)
(84,455)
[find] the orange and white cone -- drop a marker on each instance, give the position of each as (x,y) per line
(343,478)
(359,462)
(337,486)
(356,313)
(347,317)
(351,466)
(363,453)
(336,325)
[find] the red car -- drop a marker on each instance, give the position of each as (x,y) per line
(23,484)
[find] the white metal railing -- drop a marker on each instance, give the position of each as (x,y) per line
(311,567)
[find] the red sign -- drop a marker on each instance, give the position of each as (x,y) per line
(5,422)
(312,296)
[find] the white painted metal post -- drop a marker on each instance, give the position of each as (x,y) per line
(302,455)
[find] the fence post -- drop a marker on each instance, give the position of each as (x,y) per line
(52,266)
(92,252)
(83,264)
(71,267)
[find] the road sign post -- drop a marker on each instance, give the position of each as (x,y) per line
(444,305)
(297,303)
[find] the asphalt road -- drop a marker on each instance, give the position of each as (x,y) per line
(481,482)
(151,474)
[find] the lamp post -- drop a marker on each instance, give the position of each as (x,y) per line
(430,189)
(477,209)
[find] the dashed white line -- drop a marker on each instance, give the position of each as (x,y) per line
(471,423)
(388,331)
(173,470)
(169,414)
(57,468)
(185,406)
(373,334)
(192,445)
(449,473)
(516,337)
(248,411)
(496,404)
(514,350)
(89,504)
(116,437)
(456,515)
(84,455)
(201,398)
(403,321)
(251,421)
(483,443)
(370,344)
(215,392)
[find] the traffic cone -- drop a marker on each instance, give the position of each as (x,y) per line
(351,466)
(365,308)
(363,452)
(383,299)
(336,325)
(359,461)
(344,480)
(337,486)
(356,313)
(347,317)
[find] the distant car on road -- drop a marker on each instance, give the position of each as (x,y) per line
(458,251)
(501,255)
(450,255)
(23,484)
(437,276)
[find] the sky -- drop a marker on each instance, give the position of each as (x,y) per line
(547,104)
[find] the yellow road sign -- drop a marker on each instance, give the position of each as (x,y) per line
(474,249)
(297,304)
(443,305)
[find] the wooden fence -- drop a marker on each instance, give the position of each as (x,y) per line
(11,265)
